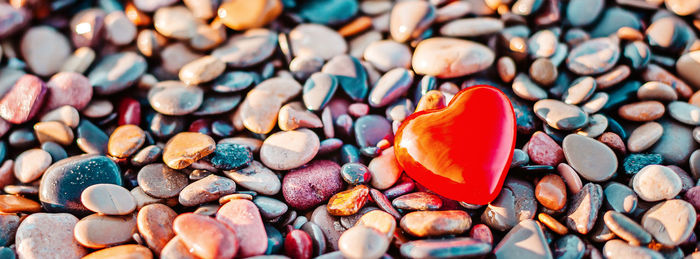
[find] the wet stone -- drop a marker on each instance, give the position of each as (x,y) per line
(676,144)
(684,112)
(210,188)
(516,202)
(580,90)
(390,86)
(44,49)
(599,162)
(175,98)
(417,201)
(385,55)
(23,101)
(385,169)
(303,43)
(281,151)
(33,241)
(642,111)
(659,91)
(243,218)
(306,187)
(68,88)
(201,70)
(457,247)
(348,202)
(593,56)
(620,198)
(583,212)
(259,110)
(242,15)
(108,199)
(527,233)
(560,115)
(186,148)
(656,182)
(294,115)
(161,181)
(256,177)
(116,72)
(670,230)
(155,225)
(370,129)
(99,231)
(550,191)
(435,223)
(298,244)
(64,181)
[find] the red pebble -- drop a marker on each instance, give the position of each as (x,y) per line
(543,150)
(463,151)
(68,88)
(129,111)
(202,126)
(298,245)
(205,236)
(24,100)
(482,233)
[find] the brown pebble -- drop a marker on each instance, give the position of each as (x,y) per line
(506,69)
(186,148)
(552,224)
(160,181)
(205,236)
(613,141)
(642,111)
(14,204)
(436,223)
(242,14)
(155,224)
(54,131)
(550,191)
(125,141)
(210,188)
(98,231)
(543,71)
(348,202)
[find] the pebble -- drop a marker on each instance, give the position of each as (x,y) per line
(186,148)
(298,244)
(33,241)
(456,247)
(108,199)
(528,234)
(256,177)
(328,12)
(270,208)
(516,202)
(657,73)
(205,237)
(577,18)
(241,15)
(351,75)
(670,222)
(684,112)
(15,18)
(175,98)
(65,180)
(580,90)
(207,189)
(116,72)
(686,64)
(228,156)
(543,150)
(552,224)
(14,204)
(122,251)
(593,56)
(119,30)
(44,49)
(23,101)
(596,126)
(201,70)
(550,191)
(626,228)
(348,202)
(408,20)
(644,136)
(176,249)
(390,87)
(676,144)
(386,55)
(569,246)
(620,198)
(281,150)
(635,162)
(472,27)
(10,222)
(125,141)
(417,201)
(465,57)
(294,115)
(247,49)
(527,89)
(543,71)
(99,231)
(243,218)
(605,165)
(155,225)
(175,22)
(161,181)
(374,244)
(436,223)
(355,173)
(656,182)
(659,91)
(303,43)
(560,115)
(318,90)
(583,212)
(53,131)
(68,88)
(320,178)
(619,249)
(385,169)
(260,107)
(31,164)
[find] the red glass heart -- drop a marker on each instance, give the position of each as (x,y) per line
(462,151)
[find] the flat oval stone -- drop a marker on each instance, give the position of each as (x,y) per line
(583,212)
(550,191)
(620,198)
(654,72)
(259,110)
(329,225)
(543,71)
(385,55)
(408,20)
(348,202)
(256,177)
(527,89)
(108,199)
(436,223)
(34,241)
(201,70)
(23,101)
(593,56)
(390,87)
(160,181)
(31,164)
(676,144)
(318,90)
(233,81)
(99,231)
(466,57)
(595,103)
(516,202)
(670,222)
(560,115)
(592,159)
(127,251)
(325,12)
(472,27)
(241,15)
(186,148)
(243,218)
(125,141)
(65,180)
(53,131)
(116,72)
(684,112)
(14,204)
(686,64)
(580,90)
(307,187)
(644,136)
(417,201)
(596,126)
(155,224)
(68,88)
(656,182)
(619,249)
(626,228)
(527,233)
(247,49)
(175,22)
(205,236)
(385,169)
(614,18)
(642,111)
(289,149)
(270,208)
(44,49)
(304,41)
(207,189)
(659,91)
(175,98)
(374,244)
(455,247)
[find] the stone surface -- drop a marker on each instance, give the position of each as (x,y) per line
(448,58)
(583,212)
(243,218)
(109,199)
(592,159)
(436,223)
(186,148)
(33,241)
(99,231)
(289,149)
(155,224)
(670,222)
(525,240)
(205,237)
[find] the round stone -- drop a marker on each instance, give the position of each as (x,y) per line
(374,244)
(390,86)
(160,181)
(206,237)
(355,173)
(593,56)
(644,136)
(385,169)
(560,115)
(656,182)
(687,64)
(44,49)
(318,90)
(305,41)
(155,224)
(65,180)
(592,159)
(125,141)
(175,22)
(68,88)
(201,70)
(48,235)
(175,98)
(620,198)
(307,187)
(543,71)
(256,177)
(186,148)
(449,58)
(670,222)
(527,89)
(289,149)
(99,231)
(543,150)
(31,164)
(517,200)
(385,55)
(108,199)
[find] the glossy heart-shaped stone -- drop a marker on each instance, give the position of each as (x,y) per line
(462,151)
